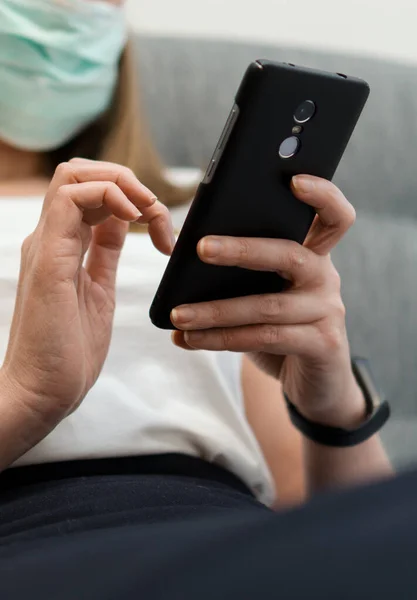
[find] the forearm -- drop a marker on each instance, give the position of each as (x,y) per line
(298,463)
(337,467)
(280,442)
(328,467)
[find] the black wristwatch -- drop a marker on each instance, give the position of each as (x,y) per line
(377,410)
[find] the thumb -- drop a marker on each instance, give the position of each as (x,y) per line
(104,253)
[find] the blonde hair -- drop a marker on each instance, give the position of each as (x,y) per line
(122,136)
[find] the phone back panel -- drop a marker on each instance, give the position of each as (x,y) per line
(248,193)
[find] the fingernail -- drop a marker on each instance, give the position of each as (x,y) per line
(303,183)
(136,214)
(211,247)
(181,343)
(193,337)
(183,314)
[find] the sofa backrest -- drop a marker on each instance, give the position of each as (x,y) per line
(188,88)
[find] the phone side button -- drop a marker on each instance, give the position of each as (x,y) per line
(210,171)
(229,126)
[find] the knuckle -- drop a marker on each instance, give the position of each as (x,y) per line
(269,307)
(111,188)
(158,212)
(65,171)
(244,249)
(350,215)
(216,312)
(269,335)
(79,160)
(346,210)
(162,209)
(334,278)
(333,338)
(297,258)
(226,338)
(123,173)
(337,307)
(26,245)
(62,196)
(157,220)
(129,172)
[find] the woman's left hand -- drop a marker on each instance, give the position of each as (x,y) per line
(298,336)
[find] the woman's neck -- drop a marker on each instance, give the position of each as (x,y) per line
(21,172)
(18,165)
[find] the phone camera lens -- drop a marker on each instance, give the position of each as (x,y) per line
(305,112)
(289,147)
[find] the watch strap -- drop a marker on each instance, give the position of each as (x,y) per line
(336,436)
(377,411)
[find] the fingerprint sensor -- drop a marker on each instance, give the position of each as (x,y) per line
(289,147)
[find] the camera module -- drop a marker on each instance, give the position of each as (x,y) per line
(305,112)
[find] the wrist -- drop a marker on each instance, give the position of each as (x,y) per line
(21,425)
(348,411)
(347,419)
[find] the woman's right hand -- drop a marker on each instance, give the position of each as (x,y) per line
(63,317)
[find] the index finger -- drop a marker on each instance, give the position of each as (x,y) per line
(335,214)
(155,214)
(84,171)
(160,227)
(287,258)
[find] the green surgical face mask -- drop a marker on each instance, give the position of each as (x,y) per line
(58,68)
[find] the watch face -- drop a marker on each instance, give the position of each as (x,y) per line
(366,381)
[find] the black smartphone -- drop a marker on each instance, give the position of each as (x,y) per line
(286,120)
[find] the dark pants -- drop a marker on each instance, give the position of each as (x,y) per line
(357,545)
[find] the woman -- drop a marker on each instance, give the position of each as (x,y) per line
(86,442)
(89,108)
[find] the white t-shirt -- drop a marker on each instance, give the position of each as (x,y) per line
(151,397)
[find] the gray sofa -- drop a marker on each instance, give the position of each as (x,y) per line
(188,87)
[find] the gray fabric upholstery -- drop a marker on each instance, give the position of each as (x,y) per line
(188,88)
(377,263)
